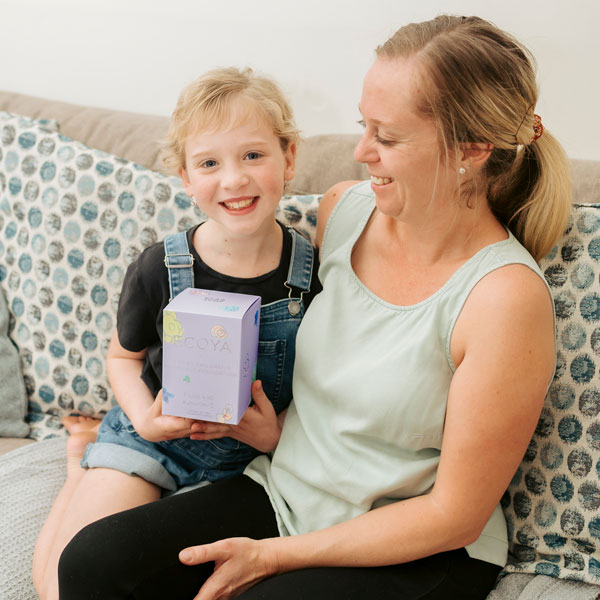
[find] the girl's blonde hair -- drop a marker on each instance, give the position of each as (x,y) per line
(209,101)
(479,85)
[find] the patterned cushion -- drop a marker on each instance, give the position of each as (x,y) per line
(553,503)
(71,220)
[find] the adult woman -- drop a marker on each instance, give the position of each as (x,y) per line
(389,468)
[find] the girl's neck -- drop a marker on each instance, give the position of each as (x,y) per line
(239,255)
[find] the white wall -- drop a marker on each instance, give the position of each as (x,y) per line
(137,54)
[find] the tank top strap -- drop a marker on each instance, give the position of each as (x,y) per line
(349,215)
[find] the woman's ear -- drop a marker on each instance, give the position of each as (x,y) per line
(475,154)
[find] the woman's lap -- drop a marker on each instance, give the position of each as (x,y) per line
(128,554)
(134,555)
(446,576)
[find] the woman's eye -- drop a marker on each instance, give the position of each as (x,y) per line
(253,155)
(384,142)
(376,136)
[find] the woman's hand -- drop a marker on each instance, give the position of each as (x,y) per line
(153,426)
(260,427)
(239,564)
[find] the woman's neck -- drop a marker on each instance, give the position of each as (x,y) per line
(450,235)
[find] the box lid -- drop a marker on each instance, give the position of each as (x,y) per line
(212,302)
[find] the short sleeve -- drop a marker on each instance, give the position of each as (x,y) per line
(138,306)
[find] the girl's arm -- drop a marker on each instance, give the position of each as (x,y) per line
(503,346)
(144,411)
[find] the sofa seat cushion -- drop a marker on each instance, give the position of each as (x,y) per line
(30,479)
(520,586)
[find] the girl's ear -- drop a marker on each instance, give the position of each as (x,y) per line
(186,181)
(290,162)
(475,154)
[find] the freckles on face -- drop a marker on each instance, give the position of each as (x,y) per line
(400,145)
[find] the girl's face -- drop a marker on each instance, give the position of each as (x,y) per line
(236,174)
(399,145)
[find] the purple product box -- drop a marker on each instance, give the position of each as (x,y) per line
(210,347)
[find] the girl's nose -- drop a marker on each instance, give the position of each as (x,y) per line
(234,178)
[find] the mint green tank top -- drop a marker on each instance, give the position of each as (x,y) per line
(370,387)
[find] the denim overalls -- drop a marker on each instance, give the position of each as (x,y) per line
(183,461)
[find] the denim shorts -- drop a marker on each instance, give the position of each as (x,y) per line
(183,462)
(170,465)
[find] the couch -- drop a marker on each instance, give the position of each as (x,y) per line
(82,191)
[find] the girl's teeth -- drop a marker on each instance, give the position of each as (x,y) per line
(239,205)
(381,180)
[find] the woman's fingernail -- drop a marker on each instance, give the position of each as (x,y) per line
(186,555)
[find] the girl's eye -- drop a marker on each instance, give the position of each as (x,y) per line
(253,155)
(208,164)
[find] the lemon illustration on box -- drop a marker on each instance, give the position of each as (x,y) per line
(210,339)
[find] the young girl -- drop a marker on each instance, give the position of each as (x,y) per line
(233,140)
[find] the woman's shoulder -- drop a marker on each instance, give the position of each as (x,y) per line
(328,202)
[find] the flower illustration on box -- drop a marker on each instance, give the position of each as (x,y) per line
(172,328)
(225,415)
(218,331)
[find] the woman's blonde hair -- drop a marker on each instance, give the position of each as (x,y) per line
(479,85)
(209,102)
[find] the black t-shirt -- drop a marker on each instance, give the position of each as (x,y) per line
(145,293)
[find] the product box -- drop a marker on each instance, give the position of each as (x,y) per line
(210,347)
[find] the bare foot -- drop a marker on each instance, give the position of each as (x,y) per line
(79,423)
(83,431)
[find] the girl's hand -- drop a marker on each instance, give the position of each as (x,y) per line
(156,427)
(239,564)
(260,427)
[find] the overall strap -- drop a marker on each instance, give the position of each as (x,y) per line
(179,263)
(300,271)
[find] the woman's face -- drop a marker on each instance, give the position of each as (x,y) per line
(400,146)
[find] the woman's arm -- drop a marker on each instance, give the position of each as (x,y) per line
(503,346)
(144,411)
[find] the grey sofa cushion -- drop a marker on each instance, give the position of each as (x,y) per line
(30,479)
(13,400)
(519,586)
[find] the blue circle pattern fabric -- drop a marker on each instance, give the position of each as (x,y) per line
(71,220)
(553,503)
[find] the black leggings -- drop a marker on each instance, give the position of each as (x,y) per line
(133,556)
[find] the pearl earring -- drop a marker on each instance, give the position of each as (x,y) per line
(462,170)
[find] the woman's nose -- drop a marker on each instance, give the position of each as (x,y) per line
(365,152)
